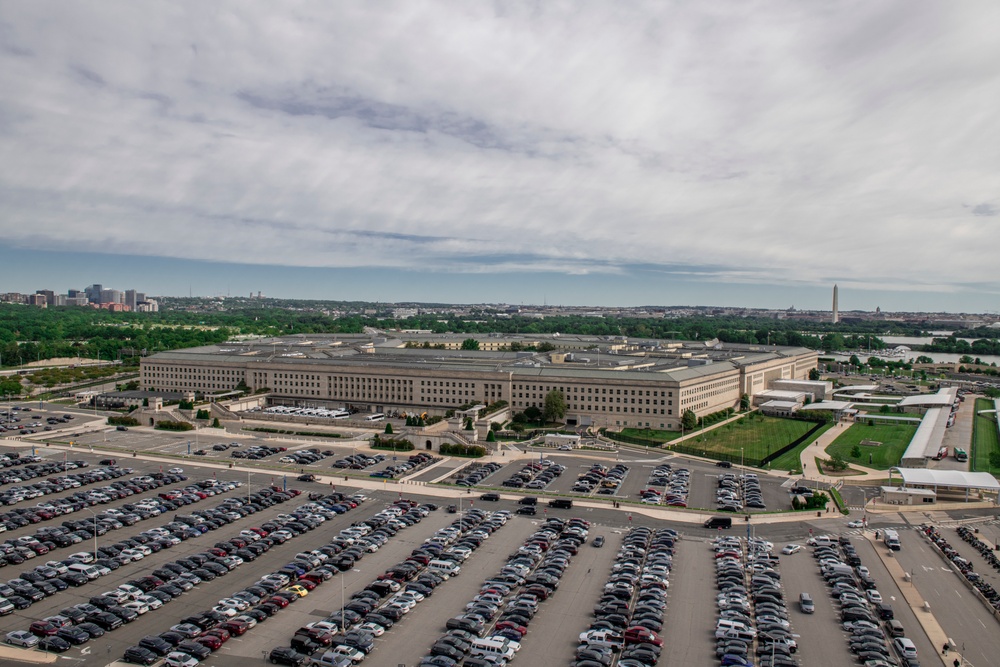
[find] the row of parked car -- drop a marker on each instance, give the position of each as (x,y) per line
(629,613)
(394,594)
(475,473)
(20,517)
(106,612)
(737,492)
(198,635)
(33,468)
(601,479)
(676,486)
(15,551)
(255,452)
(412,464)
(358,461)
(876,638)
(752,608)
(970,536)
(495,621)
(535,475)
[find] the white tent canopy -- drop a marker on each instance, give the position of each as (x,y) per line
(955,479)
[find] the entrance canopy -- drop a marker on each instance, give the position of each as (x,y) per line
(954,479)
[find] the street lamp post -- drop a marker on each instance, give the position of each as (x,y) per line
(343,601)
(95,530)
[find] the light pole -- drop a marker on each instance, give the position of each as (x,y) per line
(95,530)
(343,601)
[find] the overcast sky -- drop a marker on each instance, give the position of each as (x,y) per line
(735,153)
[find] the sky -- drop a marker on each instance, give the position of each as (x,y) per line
(579,153)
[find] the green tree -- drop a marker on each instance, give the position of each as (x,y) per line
(388,428)
(885,409)
(856,452)
(991,392)
(470,344)
(922,359)
(745,402)
(837,462)
(555,406)
(533,414)
(495,426)
(517,427)
(689,420)
(854,361)
(491,436)
(468,424)
(814,374)
(215,423)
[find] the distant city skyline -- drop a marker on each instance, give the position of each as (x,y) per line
(583,153)
(20,272)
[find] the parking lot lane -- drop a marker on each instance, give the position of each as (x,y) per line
(412,638)
(554,633)
(962,616)
(891,593)
(689,624)
(822,642)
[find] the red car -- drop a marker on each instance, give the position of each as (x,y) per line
(279,601)
(641,635)
(43,629)
(237,628)
(215,551)
(219,633)
(211,642)
(510,625)
(307,584)
(259,531)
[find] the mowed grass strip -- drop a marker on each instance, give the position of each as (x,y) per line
(894,439)
(985,437)
(757,436)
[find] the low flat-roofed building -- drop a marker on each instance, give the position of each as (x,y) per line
(613,383)
(819,390)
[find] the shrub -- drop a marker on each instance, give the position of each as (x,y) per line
(170,425)
(394,444)
(123,421)
(202,414)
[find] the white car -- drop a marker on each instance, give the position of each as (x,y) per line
(21,638)
(873,596)
(856,524)
(228,612)
(241,605)
(176,471)
(137,606)
(178,659)
(249,620)
(153,603)
(374,629)
(345,651)
(82,557)
(791,549)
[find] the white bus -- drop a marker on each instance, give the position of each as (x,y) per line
(340,414)
(377,417)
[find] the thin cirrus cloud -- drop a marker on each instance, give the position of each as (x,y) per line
(770,143)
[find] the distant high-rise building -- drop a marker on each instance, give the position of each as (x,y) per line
(73,293)
(94,293)
(130,299)
(836,313)
(50,296)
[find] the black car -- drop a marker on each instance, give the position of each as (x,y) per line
(199,651)
(73,635)
(91,629)
(54,643)
(283,655)
(156,644)
(105,620)
(139,656)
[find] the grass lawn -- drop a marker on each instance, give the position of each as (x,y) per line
(984,437)
(894,439)
(790,460)
(758,437)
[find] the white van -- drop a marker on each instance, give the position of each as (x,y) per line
(88,571)
(905,647)
(494,647)
(445,567)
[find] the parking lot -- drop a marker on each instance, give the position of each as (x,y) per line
(689,619)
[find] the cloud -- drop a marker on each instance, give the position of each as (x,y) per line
(776,143)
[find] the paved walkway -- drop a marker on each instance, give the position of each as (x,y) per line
(818,449)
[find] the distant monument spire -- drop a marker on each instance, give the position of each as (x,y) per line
(836,314)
